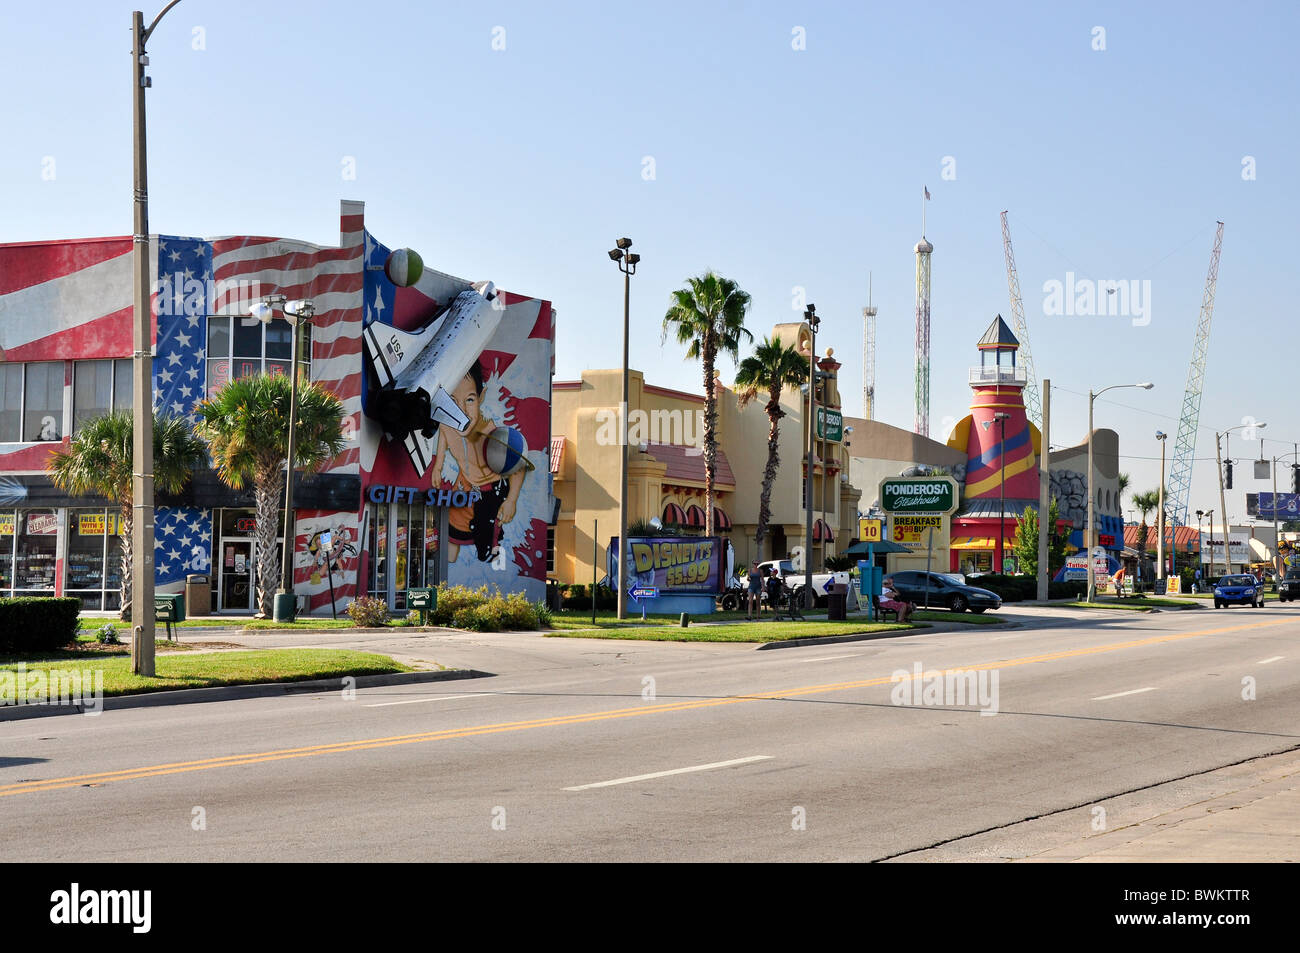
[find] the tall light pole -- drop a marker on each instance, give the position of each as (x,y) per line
(1223,505)
(1044,494)
(142,569)
(810,315)
(297,312)
(1200,535)
(1090,531)
(1160,510)
(627,264)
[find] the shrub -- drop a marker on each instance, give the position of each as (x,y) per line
(474,609)
(368,612)
(1067,590)
(106,634)
(35,624)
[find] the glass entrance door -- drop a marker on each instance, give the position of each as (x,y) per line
(236,575)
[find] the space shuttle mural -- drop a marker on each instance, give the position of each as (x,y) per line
(458,383)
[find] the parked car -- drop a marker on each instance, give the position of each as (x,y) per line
(1289,587)
(1242,590)
(943,592)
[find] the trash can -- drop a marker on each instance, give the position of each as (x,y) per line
(837,599)
(554,598)
(198,595)
(177,599)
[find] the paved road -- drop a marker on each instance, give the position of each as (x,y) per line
(566,753)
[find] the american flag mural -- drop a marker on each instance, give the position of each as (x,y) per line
(68,301)
(182,544)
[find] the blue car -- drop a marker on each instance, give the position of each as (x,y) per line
(1238,590)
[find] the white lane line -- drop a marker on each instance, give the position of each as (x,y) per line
(436,698)
(827,658)
(1136,691)
(1275,658)
(664,774)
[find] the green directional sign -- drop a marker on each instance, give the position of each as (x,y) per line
(830,424)
(918,495)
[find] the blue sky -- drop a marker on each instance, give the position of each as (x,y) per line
(781,168)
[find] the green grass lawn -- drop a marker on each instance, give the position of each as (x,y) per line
(1135,603)
(205,670)
(739,632)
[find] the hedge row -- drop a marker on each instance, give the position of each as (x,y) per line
(31,624)
(579,597)
(1022,588)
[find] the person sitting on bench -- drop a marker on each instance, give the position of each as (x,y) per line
(889,599)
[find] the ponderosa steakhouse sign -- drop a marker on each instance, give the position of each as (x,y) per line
(918,495)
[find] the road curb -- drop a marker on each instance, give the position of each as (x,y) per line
(193,696)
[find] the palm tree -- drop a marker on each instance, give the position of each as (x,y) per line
(772,367)
(709,316)
(98,462)
(1145,503)
(1123,482)
(246,423)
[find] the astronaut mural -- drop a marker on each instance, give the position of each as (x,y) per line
(458,384)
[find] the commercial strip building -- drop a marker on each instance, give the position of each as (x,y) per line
(366,523)
(666,466)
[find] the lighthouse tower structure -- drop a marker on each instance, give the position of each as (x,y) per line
(1002,448)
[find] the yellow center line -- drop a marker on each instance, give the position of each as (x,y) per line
(448,734)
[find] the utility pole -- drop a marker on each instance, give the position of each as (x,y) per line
(142,568)
(810,315)
(1044,494)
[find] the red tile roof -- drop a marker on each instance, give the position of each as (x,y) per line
(686,464)
(1182,536)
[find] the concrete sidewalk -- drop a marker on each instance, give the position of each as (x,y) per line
(1257,821)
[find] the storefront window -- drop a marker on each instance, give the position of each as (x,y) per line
(98,387)
(8,522)
(37,541)
(241,347)
(93,568)
(43,401)
(11,402)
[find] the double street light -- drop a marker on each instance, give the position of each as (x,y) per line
(1090,532)
(297,312)
(810,316)
(627,262)
(1200,539)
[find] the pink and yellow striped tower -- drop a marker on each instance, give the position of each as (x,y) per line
(992,455)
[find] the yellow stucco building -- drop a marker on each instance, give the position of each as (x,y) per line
(666,466)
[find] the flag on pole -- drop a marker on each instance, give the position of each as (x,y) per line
(927,192)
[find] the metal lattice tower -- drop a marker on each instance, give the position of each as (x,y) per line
(1180,476)
(1033,399)
(923,251)
(869,357)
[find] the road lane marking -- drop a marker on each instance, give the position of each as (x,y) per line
(437,698)
(227,761)
(1275,658)
(827,658)
(1136,691)
(665,774)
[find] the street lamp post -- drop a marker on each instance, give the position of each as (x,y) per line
(142,479)
(627,262)
(297,312)
(810,315)
(1090,530)
(1160,511)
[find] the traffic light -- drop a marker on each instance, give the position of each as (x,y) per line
(1227,474)
(1295,478)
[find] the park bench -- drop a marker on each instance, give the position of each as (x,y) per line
(881,612)
(786,605)
(164,610)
